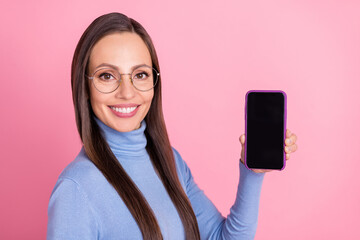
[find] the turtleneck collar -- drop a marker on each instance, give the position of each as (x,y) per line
(131,143)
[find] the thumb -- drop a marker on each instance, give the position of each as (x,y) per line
(242,139)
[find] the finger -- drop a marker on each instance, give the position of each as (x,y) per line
(288,149)
(293,138)
(288,133)
(288,141)
(291,148)
(287,156)
(242,139)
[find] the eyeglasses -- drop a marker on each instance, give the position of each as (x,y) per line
(107,80)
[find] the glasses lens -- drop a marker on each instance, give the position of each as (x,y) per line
(106,80)
(144,78)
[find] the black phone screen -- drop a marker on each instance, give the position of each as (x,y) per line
(265,129)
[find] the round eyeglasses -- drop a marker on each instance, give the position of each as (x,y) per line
(107,80)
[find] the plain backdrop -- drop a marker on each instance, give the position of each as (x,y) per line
(211,53)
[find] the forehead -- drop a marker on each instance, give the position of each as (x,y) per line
(123,50)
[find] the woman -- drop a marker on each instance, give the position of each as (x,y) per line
(127,182)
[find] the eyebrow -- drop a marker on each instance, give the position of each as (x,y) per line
(115,67)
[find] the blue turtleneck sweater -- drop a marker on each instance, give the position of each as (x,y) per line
(83,205)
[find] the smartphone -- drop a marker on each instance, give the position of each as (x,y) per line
(265,129)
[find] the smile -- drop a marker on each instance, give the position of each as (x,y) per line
(124,110)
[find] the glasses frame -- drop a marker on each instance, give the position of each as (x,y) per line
(120,80)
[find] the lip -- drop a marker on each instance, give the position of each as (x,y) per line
(125,115)
(125,105)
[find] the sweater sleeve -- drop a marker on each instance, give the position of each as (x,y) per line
(241,222)
(69,213)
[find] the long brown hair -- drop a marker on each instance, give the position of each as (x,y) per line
(158,144)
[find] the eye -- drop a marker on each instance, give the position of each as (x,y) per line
(141,76)
(107,76)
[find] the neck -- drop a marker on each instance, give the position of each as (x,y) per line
(131,143)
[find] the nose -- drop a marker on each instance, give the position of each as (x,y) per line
(126,89)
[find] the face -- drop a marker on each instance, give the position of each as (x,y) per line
(123,50)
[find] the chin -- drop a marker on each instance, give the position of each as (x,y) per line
(126,127)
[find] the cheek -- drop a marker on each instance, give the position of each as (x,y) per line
(97,100)
(148,98)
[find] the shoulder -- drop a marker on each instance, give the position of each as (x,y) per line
(80,181)
(71,209)
(182,168)
(179,161)
(81,171)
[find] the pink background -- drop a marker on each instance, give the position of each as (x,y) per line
(211,53)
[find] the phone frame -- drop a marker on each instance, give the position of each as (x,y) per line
(285,116)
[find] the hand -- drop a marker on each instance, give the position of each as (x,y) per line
(290,147)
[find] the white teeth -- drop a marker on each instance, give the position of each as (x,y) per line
(124,110)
